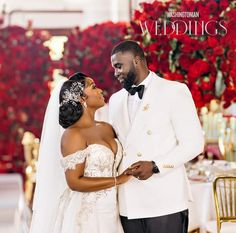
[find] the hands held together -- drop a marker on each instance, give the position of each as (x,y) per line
(142,170)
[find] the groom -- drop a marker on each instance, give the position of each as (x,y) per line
(157,124)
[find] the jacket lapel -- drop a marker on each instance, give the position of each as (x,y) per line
(144,108)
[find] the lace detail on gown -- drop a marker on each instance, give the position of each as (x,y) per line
(91,211)
(70,161)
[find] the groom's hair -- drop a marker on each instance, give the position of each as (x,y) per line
(129,46)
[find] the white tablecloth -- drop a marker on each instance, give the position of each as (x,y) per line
(202,209)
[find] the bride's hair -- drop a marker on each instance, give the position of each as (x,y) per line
(71,109)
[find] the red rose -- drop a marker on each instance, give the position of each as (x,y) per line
(229,96)
(231,54)
(174,76)
(197,97)
(208,97)
(223,4)
(185,61)
(219,50)
(199,68)
(137,14)
(212,41)
(206,85)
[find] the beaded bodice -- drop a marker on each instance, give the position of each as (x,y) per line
(100,160)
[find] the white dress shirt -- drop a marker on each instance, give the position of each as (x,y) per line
(134,100)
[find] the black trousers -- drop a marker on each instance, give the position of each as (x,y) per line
(172,223)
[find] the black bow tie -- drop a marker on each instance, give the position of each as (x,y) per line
(139,89)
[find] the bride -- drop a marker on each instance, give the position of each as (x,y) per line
(77,169)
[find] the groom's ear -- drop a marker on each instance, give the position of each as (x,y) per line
(137,60)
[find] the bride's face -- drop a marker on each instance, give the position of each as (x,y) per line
(94,97)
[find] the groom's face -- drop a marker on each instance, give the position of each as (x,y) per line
(124,67)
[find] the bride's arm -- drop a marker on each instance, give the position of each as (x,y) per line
(78,182)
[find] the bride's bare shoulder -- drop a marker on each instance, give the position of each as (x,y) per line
(72,141)
(107,128)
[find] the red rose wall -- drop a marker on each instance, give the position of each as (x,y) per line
(206,61)
(24,74)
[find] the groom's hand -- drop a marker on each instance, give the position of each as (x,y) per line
(142,170)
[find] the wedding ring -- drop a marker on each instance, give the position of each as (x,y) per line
(138,177)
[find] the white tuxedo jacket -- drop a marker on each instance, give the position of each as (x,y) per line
(166,129)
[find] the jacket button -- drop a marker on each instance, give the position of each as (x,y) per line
(139,154)
(149,132)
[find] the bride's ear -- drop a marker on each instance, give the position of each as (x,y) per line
(83,98)
(83,101)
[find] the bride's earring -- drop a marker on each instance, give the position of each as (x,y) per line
(85,104)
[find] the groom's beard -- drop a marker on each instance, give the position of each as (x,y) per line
(129,81)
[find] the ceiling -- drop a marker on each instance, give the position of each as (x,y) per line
(65,13)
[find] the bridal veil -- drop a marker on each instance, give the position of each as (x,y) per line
(50,178)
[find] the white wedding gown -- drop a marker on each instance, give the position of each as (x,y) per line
(90,212)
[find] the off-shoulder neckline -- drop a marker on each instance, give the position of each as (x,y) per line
(96,144)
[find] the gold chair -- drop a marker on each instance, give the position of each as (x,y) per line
(194,231)
(31,150)
(224,189)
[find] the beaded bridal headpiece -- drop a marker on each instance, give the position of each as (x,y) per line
(73,94)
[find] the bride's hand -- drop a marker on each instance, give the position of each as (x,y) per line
(123,178)
(130,170)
